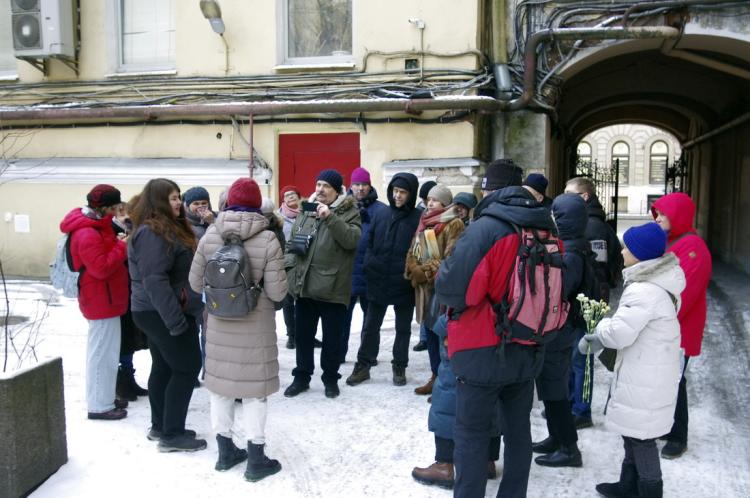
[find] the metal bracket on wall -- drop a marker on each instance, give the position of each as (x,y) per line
(42,64)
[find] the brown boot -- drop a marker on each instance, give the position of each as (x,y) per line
(439,474)
(427,388)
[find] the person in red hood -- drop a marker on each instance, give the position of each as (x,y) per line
(675,213)
(99,257)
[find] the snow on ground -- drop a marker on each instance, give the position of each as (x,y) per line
(366,442)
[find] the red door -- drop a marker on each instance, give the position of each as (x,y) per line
(303,156)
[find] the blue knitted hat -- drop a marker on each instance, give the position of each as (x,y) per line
(646,242)
(332,178)
(195,194)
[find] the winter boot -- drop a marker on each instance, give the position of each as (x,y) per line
(427,388)
(290,342)
(627,486)
(673,449)
(438,474)
(399,375)
(545,446)
(258,464)
(123,387)
(360,374)
(229,454)
(650,489)
(566,456)
(134,387)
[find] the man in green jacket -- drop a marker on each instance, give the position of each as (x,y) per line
(319,262)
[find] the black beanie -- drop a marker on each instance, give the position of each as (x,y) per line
(425,189)
(500,174)
(332,178)
(401,183)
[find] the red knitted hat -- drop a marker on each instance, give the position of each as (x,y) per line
(103,195)
(244,192)
(289,188)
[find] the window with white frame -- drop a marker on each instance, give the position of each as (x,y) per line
(8,66)
(658,162)
(146,35)
(584,152)
(621,153)
(317,31)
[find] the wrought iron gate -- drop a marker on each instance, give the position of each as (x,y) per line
(605,183)
(677,177)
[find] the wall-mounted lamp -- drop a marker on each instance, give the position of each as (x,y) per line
(212,12)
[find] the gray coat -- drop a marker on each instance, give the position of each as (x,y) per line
(241,355)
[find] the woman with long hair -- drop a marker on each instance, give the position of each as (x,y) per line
(160,254)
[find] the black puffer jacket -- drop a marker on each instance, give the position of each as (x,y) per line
(605,244)
(391,232)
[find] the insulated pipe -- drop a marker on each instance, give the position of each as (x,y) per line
(479,103)
(529,71)
(717,131)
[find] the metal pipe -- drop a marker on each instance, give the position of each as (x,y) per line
(717,131)
(478,103)
(667,48)
(251,165)
(529,71)
(673,3)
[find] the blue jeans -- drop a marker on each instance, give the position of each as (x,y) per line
(102,360)
(579,407)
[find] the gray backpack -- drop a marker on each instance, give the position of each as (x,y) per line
(227,281)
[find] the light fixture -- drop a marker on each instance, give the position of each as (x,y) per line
(212,12)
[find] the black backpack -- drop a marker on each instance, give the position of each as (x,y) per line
(227,281)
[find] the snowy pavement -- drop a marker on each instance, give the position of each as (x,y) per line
(366,442)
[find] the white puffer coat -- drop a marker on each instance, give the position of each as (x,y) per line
(241,355)
(646,333)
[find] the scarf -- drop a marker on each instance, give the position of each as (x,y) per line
(437,219)
(288,212)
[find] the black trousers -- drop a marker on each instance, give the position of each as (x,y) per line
(475,409)
(433,350)
(444,449)
(346,325)
(307,312)
(644,454)
(679,432)
(288,307)
(175,363)
(560,423)
(368,350)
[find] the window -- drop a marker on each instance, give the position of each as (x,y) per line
(584,152)
(146,35)
(621,152)
(317,31)
(8,66)
(658,162)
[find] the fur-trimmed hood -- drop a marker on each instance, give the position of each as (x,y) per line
(664,272)
(342,202)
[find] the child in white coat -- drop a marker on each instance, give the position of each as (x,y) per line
(646,334)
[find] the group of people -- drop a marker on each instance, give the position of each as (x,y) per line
(435,257)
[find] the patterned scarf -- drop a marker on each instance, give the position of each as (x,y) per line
(288,212)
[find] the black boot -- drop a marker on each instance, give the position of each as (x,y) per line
(545,446)
(290,342)
(627,486)
(650,489)
(134,387)
(229,454)
(123,387)
(566,456)
(258,464)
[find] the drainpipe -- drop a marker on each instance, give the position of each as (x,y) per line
(273,108)
(667,48)
(251,165)
(529,72)
(717,131)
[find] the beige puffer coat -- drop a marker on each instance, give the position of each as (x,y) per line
(241,355)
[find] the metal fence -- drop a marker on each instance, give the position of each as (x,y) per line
(605,183)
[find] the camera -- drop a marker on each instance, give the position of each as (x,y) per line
(309,206)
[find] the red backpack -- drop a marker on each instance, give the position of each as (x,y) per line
(533,307)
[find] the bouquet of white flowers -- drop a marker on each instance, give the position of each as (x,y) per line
(593,312)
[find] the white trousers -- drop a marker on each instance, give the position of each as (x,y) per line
(102,360)
(254,412)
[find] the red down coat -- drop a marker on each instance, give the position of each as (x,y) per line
(104,282)
(695,261)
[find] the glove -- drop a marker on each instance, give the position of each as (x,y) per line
(417,275)
(592,341)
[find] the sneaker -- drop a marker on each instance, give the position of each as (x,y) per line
(360,374)
(156,434)
(399,376)
(582,422)
(290,342)
(332,390)
(420,346)
(113,414)
(673,449)
(181,443)
(296,387)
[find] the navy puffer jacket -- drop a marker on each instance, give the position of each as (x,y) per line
(368,207)
(391,233)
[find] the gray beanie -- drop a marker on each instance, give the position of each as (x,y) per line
(442,194)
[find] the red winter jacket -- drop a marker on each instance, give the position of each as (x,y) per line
(104,281)
(695,261)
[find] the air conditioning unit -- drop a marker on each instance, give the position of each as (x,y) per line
(43,28)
